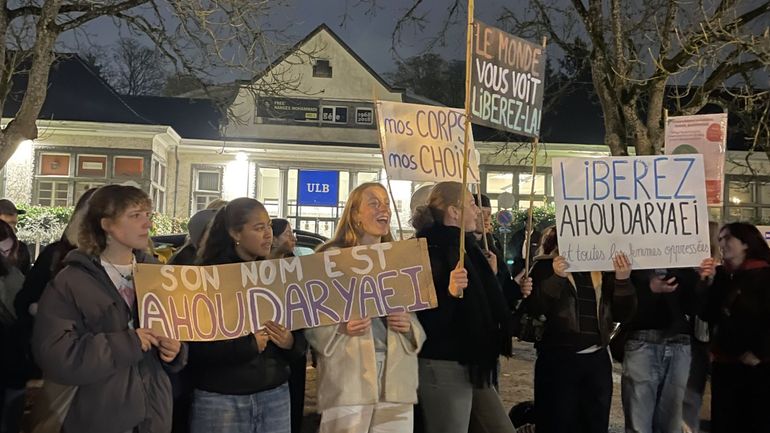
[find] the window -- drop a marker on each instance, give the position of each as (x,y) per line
(53,193)
(334,114)
(499,182)
(269,189)
(54,164)
(322,69)
(740,191)
(364,116)
(82,187)
(128,166)
(91,166)
(158,185)
(207,184)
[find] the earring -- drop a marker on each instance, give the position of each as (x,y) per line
(237,243)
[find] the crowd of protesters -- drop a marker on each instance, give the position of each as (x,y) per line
(72,320)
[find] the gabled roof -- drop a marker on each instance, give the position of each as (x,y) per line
(324,28)
(75,92)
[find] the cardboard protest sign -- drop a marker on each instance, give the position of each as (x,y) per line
(705,134)
(506,81)
(652,208)
(206,303)
(424,143)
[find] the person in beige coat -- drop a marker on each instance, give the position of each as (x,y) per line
(367,368)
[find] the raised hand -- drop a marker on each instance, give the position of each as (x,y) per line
(622,266)
(458,281)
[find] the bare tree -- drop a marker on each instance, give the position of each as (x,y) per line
(201,38)
(136,68)
(645,56)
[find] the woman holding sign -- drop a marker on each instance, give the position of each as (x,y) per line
(573,371)
(469,330)
(367,368)
(739,309)
(241,384)
(86,331)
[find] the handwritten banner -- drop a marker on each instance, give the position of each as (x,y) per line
(425,143)
(652,208)
(705,134)
(507,75)
(206,303)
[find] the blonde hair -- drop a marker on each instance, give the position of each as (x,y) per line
(443,195)
(347,234)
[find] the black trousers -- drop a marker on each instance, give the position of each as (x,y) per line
(573,392)
(740,398)
(297,392)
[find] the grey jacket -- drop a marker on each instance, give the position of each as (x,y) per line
(82,337)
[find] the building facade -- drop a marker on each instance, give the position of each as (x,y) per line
(273,146)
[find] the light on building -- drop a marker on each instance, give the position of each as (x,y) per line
(241,157)
(23,153)
(736,200)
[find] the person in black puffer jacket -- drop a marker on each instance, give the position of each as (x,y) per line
(87,333)
(470,328)
(738,308)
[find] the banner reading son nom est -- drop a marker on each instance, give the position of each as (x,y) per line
(206,303)
(425,143)
(652,208)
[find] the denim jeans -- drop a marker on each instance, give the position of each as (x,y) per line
(655,372)
(263,412)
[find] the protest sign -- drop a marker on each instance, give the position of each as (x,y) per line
(652,208)
(705,134)
(206,303)
(506,81)
(424,143)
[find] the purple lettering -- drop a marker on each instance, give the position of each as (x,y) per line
(387,292)
(197,300)
(370,294)
(238,330)
(295,291)
(418,303)
(258,292)
(317,303)
(178,321)
(154,312)
(347,295)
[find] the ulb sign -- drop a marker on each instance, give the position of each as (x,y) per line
(318,188)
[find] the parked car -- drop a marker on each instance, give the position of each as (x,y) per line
(166,245)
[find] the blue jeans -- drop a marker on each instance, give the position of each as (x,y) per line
(655,372)
(263,412)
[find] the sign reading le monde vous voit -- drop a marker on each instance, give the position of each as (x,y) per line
(206,303)
(425,143)
(652,208)
(507,81)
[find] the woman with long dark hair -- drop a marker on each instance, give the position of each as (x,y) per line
(738,308)
(241,384)
(367,368)
(469,330)
(86,330)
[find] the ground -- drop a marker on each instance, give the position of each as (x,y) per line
(516,385)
